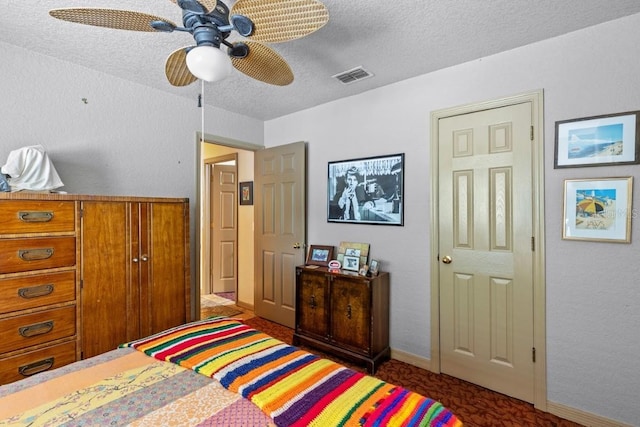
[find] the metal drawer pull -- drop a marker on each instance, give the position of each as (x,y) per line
(36,329)
(36,367)
(35,216)
(35,254)
(348,311)
(35,291)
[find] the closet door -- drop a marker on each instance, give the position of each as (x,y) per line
(108,295)
(164,266)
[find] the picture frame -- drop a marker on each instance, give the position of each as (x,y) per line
(598,209)
(612,139)
(369,190)
(374,267)
(364,270)
(351,263)
(353,248)
(246,193)
(319,255)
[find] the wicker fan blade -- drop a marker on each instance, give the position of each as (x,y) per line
(109,18)
(264,64)
(176,68)
(282,20)
(209,5)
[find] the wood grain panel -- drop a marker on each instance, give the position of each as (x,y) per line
(502,342)
(463,209)
(37,253)
(464,313)
(351,314)
(37,328)
(501,221)
(313,303)
(26,364)
(36,216)
(20,293)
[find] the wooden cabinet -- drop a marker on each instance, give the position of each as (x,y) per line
(39,312)
(135,271)
(82,274)
(344,314)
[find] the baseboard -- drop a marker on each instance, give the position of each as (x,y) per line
(244,305)
(411,359)
(581,417)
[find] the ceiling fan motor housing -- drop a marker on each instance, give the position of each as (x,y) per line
(206,28)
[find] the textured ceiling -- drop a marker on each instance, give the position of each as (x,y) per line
(394,40)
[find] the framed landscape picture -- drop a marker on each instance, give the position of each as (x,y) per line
(612,139)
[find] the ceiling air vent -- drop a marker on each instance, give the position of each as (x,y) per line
(353,75)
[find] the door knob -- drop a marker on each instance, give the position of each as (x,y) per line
(447,259)
(296,246)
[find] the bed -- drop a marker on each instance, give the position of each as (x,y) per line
(213,372)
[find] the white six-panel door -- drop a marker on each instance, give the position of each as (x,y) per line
(485,249)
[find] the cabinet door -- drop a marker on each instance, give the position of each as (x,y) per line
(163,266)
(312,304)
(108,296)
(351,313)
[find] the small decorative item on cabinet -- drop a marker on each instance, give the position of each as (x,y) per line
(374,267)
(343,313)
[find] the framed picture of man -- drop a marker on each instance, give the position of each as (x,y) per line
(366,191)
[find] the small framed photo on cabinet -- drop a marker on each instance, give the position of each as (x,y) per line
(374,267)
(319,255)
(351,263)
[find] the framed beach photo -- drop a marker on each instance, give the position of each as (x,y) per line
(612,139)
(366,191)
(598,209)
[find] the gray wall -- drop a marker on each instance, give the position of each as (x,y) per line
(593,290)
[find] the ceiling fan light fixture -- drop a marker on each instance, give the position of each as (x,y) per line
(209,63)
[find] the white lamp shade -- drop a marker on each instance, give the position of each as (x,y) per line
(208,63)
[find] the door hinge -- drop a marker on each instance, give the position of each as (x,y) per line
(532,133)
(533,243)
(533,354)
(81,212)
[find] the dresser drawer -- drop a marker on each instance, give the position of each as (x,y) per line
(36,253)
(37,328)
(38,290)
(31,363)
(36,216)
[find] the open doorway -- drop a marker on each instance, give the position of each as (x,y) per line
(222,190)
(220,151)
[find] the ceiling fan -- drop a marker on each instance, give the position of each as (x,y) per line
(210,22)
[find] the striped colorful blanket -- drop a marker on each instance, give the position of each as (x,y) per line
(292,386)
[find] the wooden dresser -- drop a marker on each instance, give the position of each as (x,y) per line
(81,274)
(39,310)
(344,313)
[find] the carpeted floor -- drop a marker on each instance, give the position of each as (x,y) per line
(474,405)
(219,310)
